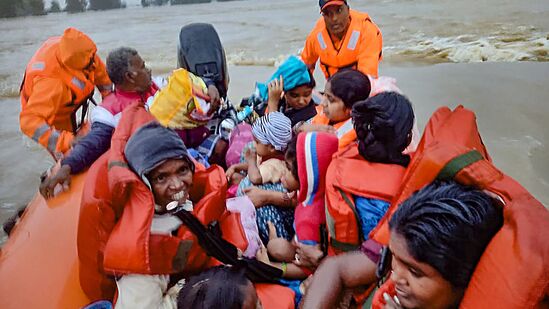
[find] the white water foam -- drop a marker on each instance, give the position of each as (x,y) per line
(522,45)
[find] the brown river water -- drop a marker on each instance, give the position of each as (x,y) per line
(491,56)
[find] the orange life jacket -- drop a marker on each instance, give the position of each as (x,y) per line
(441,127)
(117,210)
(345,130)
(362,36)
(47,62)
(513,270)
(274,296)
(349,174)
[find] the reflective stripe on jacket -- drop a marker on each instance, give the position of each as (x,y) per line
(57,83)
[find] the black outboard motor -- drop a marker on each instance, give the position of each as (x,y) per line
(200,51)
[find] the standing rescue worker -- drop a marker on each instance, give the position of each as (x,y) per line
(343,39)
(59,79)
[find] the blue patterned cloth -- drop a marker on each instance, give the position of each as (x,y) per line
(282,218)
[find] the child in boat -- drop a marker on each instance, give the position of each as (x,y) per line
(290,91)
(341,92)
(210,289)
(271,133)
(307,159)
(384,125)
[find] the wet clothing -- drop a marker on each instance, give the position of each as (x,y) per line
(104,119)
(359,49)
(58,80)
(89,148)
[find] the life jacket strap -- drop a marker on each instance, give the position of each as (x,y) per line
(450,170)
(330,223)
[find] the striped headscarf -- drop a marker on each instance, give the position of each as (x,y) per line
(273,129)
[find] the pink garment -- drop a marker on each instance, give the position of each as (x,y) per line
(240,136)
(246,208)
(383,84)
(231,192)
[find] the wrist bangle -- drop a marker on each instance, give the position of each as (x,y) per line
(284,268)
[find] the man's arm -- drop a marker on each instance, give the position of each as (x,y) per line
(82,156)
(371,44)
(349,270)
(89,148)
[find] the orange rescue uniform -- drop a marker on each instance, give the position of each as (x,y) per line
(359,49)
(58,80)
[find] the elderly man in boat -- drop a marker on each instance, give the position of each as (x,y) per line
(133,83)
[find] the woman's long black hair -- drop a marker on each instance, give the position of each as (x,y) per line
(350,86)
(448,226)
(383,124)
